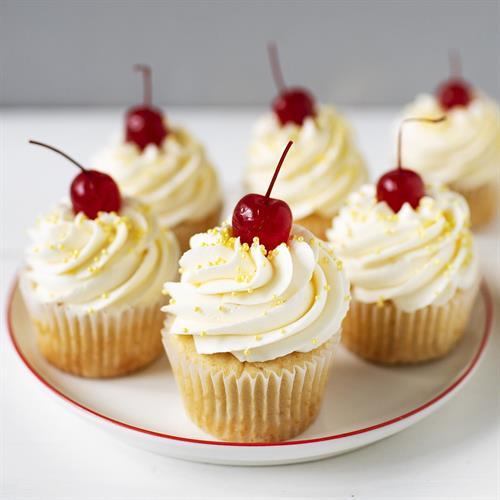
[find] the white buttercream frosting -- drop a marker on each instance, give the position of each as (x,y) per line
(463,150)
(321,169)
(108,262)
(238,299)
(414,258)
(176,180)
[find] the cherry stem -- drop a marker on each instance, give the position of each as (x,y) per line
(147,82)
(407,120)
(455,63)
(278,168)
(274,60)
(52,148)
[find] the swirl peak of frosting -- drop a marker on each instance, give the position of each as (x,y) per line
(463,151)
(176,180)
(322,167)
(115,260)
(258,305)
(415,258)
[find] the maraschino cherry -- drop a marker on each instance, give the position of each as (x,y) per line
(91,191)
(455,91)
(293,104)
(145,124)
(402,185)
(266,218)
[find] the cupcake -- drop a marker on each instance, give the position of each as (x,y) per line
(409,255)
(166,168)
(464,151)
(324,165)
(254,323)
(93,280)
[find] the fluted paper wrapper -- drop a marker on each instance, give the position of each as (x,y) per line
(483,203)
(99,344)
(249,402)
(385,334)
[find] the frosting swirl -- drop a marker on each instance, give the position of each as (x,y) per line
(235,298)
(321,169)
(463,151)
(109,262)
(176,180)
(415,258)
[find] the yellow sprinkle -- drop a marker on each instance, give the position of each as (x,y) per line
(246,352)
(250,290)
(104,295)
(258,337)
(327,288)
(340,266)
(314,341)
(220,307)
(347,297)
(164,292)
(172,301)
(256,240)
(312,241)
(283,331)
(197,309)
(185,330)
(199,266)
(181,270)
(300,238)
(316,297)
(90,310)
(203,333)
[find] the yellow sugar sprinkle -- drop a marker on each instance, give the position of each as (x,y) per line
(258,337)
(203,333)
(340,266)
(327,288)
(185,330)
(197,309)
(90,310)
(256,240)
(181,270)
(283,331)
(104,295)
(314,341)
(221,308)
(250,290)
(312,241)
(300,238)
(246,352)
(104,251)
(172,301)
(347,297)
(199,266)
(316,297)
(164,292)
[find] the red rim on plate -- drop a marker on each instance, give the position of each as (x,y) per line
(472,364)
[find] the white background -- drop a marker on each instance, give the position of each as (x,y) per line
(48,453)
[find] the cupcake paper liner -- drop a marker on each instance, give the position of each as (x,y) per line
(249,402)
(184,230)
(483,203)
(99,344)
(385,334)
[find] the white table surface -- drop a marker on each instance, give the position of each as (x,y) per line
(49,453)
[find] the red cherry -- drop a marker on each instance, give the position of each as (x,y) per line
(91,191)
(145,124)
(455,91)
(294,104)
(267,218)
(402,185)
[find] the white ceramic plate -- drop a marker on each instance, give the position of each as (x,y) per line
(364,402)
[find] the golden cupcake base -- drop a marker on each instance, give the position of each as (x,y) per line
(186,229)
(249,402)
(483,203)
(384,334)
(99,344)
(317,224)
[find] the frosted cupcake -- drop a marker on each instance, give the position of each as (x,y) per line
(256,321)
(93,280)
(464,151)
(324,165)
(166,168)
(409,255)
